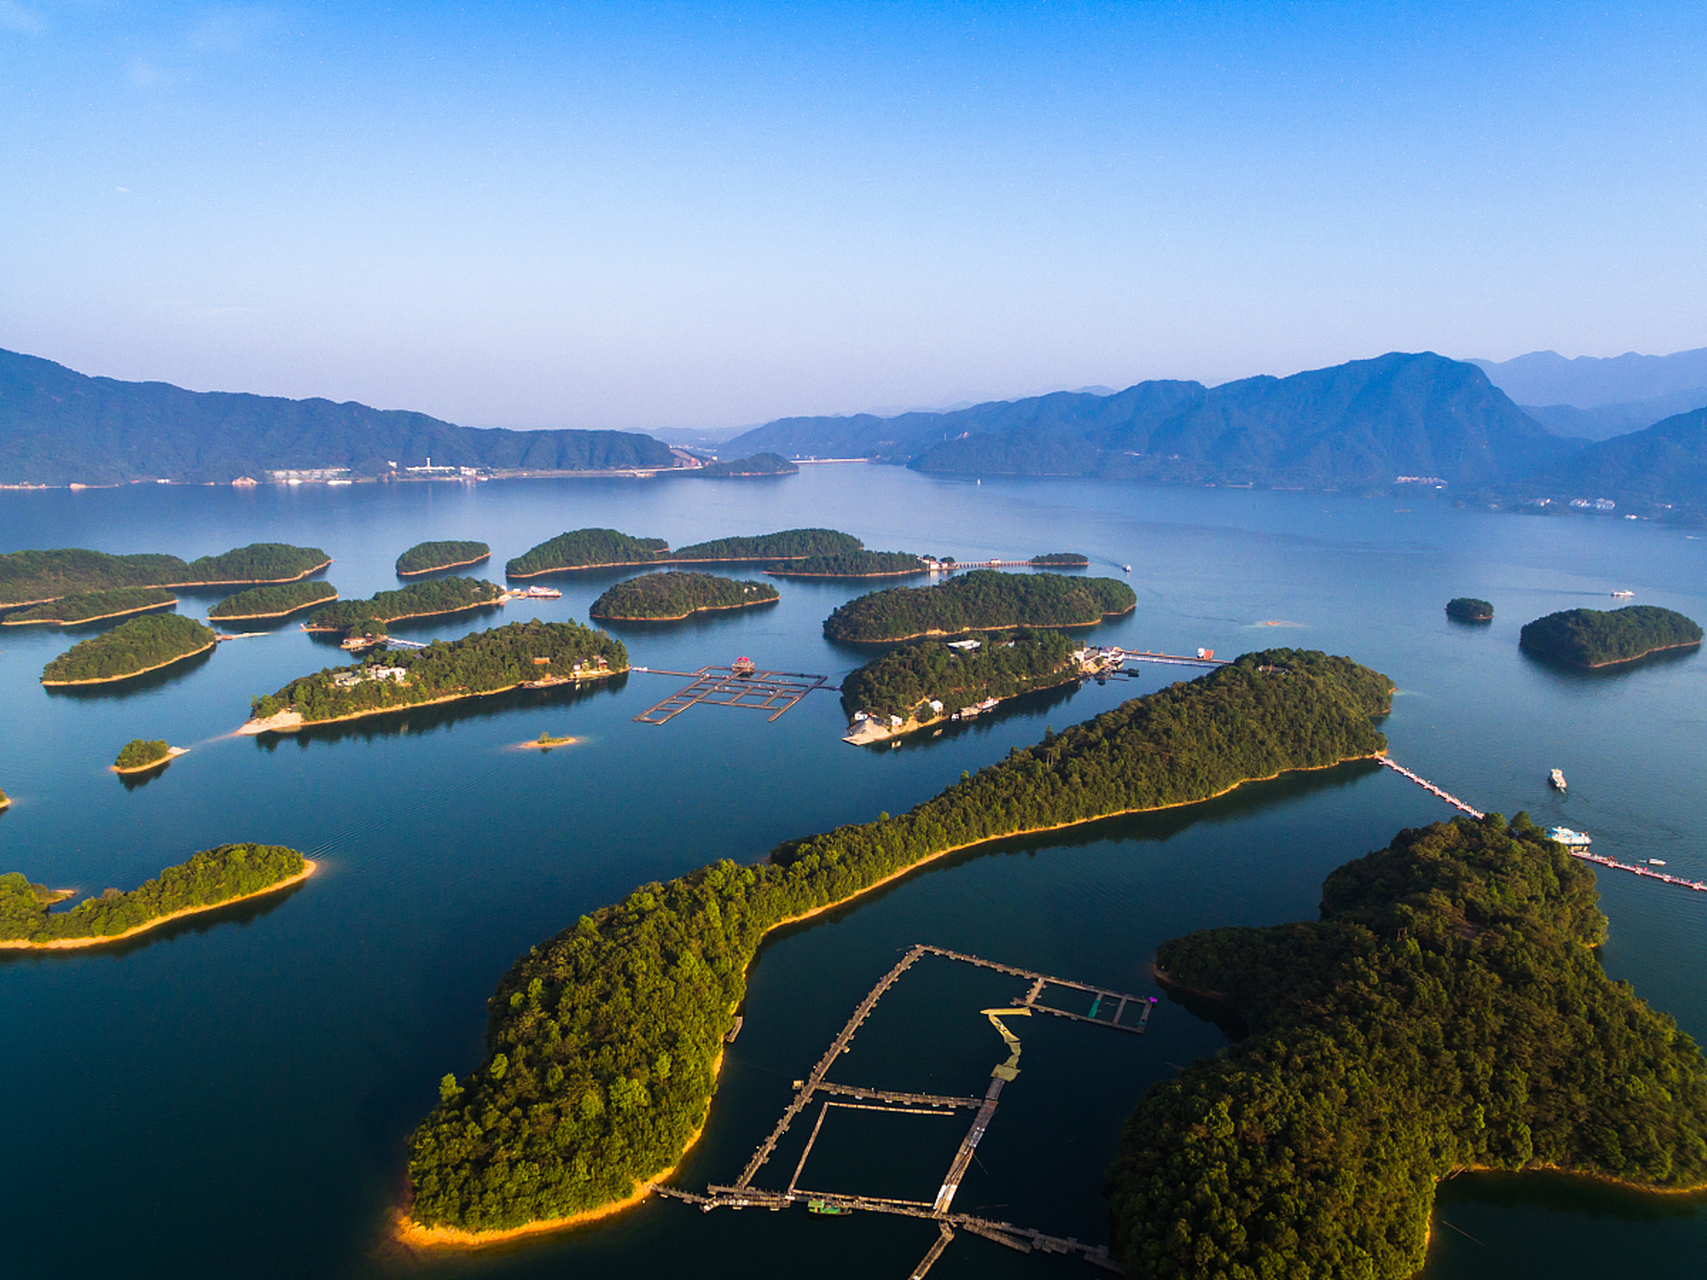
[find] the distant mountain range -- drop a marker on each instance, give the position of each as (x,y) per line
(60,427)
(1664,464)
(1597,398)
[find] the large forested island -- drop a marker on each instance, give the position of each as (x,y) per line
(761,548)
(602,1042)
(670,597)
(272,602)
(904,681)
(30,577)
(982,600)
(586,549)
(129,649)
(213,878)
(507,657)
(92,606)
(417,600)
(854,564)
(1448,1012)
(1599,638)
(430,557)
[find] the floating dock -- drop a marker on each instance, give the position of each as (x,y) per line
(772,691)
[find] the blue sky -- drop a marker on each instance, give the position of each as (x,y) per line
(714,214)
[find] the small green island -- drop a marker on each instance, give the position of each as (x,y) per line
(278,601)
(431,557)
(603,1043)
(92,606)
(210,879)
(1448,1012)
(1603,638)
(531,655)
(33,577)
(139,755)
(586,549)
(855,564)
(672,596)
(130,649)
(760,464)
(981,600)
(1469,609)
(1061,560)
(417,600)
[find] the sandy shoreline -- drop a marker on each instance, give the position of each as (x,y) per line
(281,613)
(65,684)
(494,603)
(99,617)
(309,866)
(440,568)
(680,617)
(1611,662)
(290,721)
(172,753)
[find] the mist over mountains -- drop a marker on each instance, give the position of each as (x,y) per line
(1599,397)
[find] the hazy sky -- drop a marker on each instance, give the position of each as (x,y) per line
(702,215)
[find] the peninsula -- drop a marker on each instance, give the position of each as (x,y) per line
(519,655)
(670,597)
(431,557)
(602,1043)
(417,600)
(92,606)
(1447,1013)
(139,755)
(280,601)
(1603,638)
(1469,609)
(33,577)
(210,879)
(130,649)
(982,600)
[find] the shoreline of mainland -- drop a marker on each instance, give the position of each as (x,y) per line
(291,721)
(440,568)
(158,666)
(309,867)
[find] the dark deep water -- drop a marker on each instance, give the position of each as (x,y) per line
(231,1097)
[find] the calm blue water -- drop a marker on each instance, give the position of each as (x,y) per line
(232,1097)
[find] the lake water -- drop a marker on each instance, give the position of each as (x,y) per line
(231,1097)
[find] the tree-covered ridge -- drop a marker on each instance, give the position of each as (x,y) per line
(130,649)
(258,562)
(29,576)
(904,679)
(417,600)
(1448,1012)
(788,544)
(1595,637)
(1470,609)
(1062,560)
(206,880)
(272,602)
(585,549)
(668,596)
(600,1043)
(426,557)
(87,606)
(139,753)
(853,564)
(484,662)
(981,600)
(760,464)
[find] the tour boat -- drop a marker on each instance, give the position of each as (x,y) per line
(1656,862)
(1622,595)
(1564,835)
(1557,778)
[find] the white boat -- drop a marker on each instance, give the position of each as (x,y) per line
(1622,595)
(1564,835)
(1656,862)
(1557,778)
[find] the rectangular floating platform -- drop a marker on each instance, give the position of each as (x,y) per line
(772,691)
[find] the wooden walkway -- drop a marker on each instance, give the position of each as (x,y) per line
(773,691)
(1173,659)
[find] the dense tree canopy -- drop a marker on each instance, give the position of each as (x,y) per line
(28,576)
(427,557)
(1448,1012)
(788,544)
(417,600)
(130,649)
(760,464)
(1595,638)
(586,549)
(982,600)
(600,1042)
(1001,667)
(668,596)
(139,753)
(272,602)
(854,564)
(1062,560)
(1470,609)
(87,606)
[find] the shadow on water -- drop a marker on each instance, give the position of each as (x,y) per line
(1565,1193)
(238,913)
(131,781)
(1566,673)
(130,687)
(415,721)
(1222,1017)
(1469,624)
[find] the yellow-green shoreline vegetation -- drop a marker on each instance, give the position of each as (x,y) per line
(130,649)
(141,754)
(507,657)
(210,879)
(981,600)
(855,564)
(601,1043)
(417,600)
(670,597)
(32,577)
(585,549)
(1448,1012)
(1600,638)
(1470,609)
(277,601)
(905,681)
(545,742)
(92,606)
(762,548)
(431,557)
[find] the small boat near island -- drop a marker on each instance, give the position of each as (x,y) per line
(1656,862)
(1622,595)
(540,593)
(1557,778)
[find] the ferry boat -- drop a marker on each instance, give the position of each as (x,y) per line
(1557,778)
(1622,595)
(542,593)
(1564,835)
(1656,862)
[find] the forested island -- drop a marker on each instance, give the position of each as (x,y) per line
(1448,1012)
(1062,560)
(670,597)
(507,657)
(1600,638)
(141,754)
(129,649)
(1469,609)
(586,549)
(854,564)
(904,681)
(760,464)
(92,606)
(602,1043)
(272,602)
(417,600)
(213,878)
(430,557)
(787,544)
(981,600)
(30,577)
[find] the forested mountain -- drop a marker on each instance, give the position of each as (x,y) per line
(58,427)
(1667,463)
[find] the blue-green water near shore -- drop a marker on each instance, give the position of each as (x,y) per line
(231,1096)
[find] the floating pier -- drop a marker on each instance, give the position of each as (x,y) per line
(773,691)
(1172,659)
